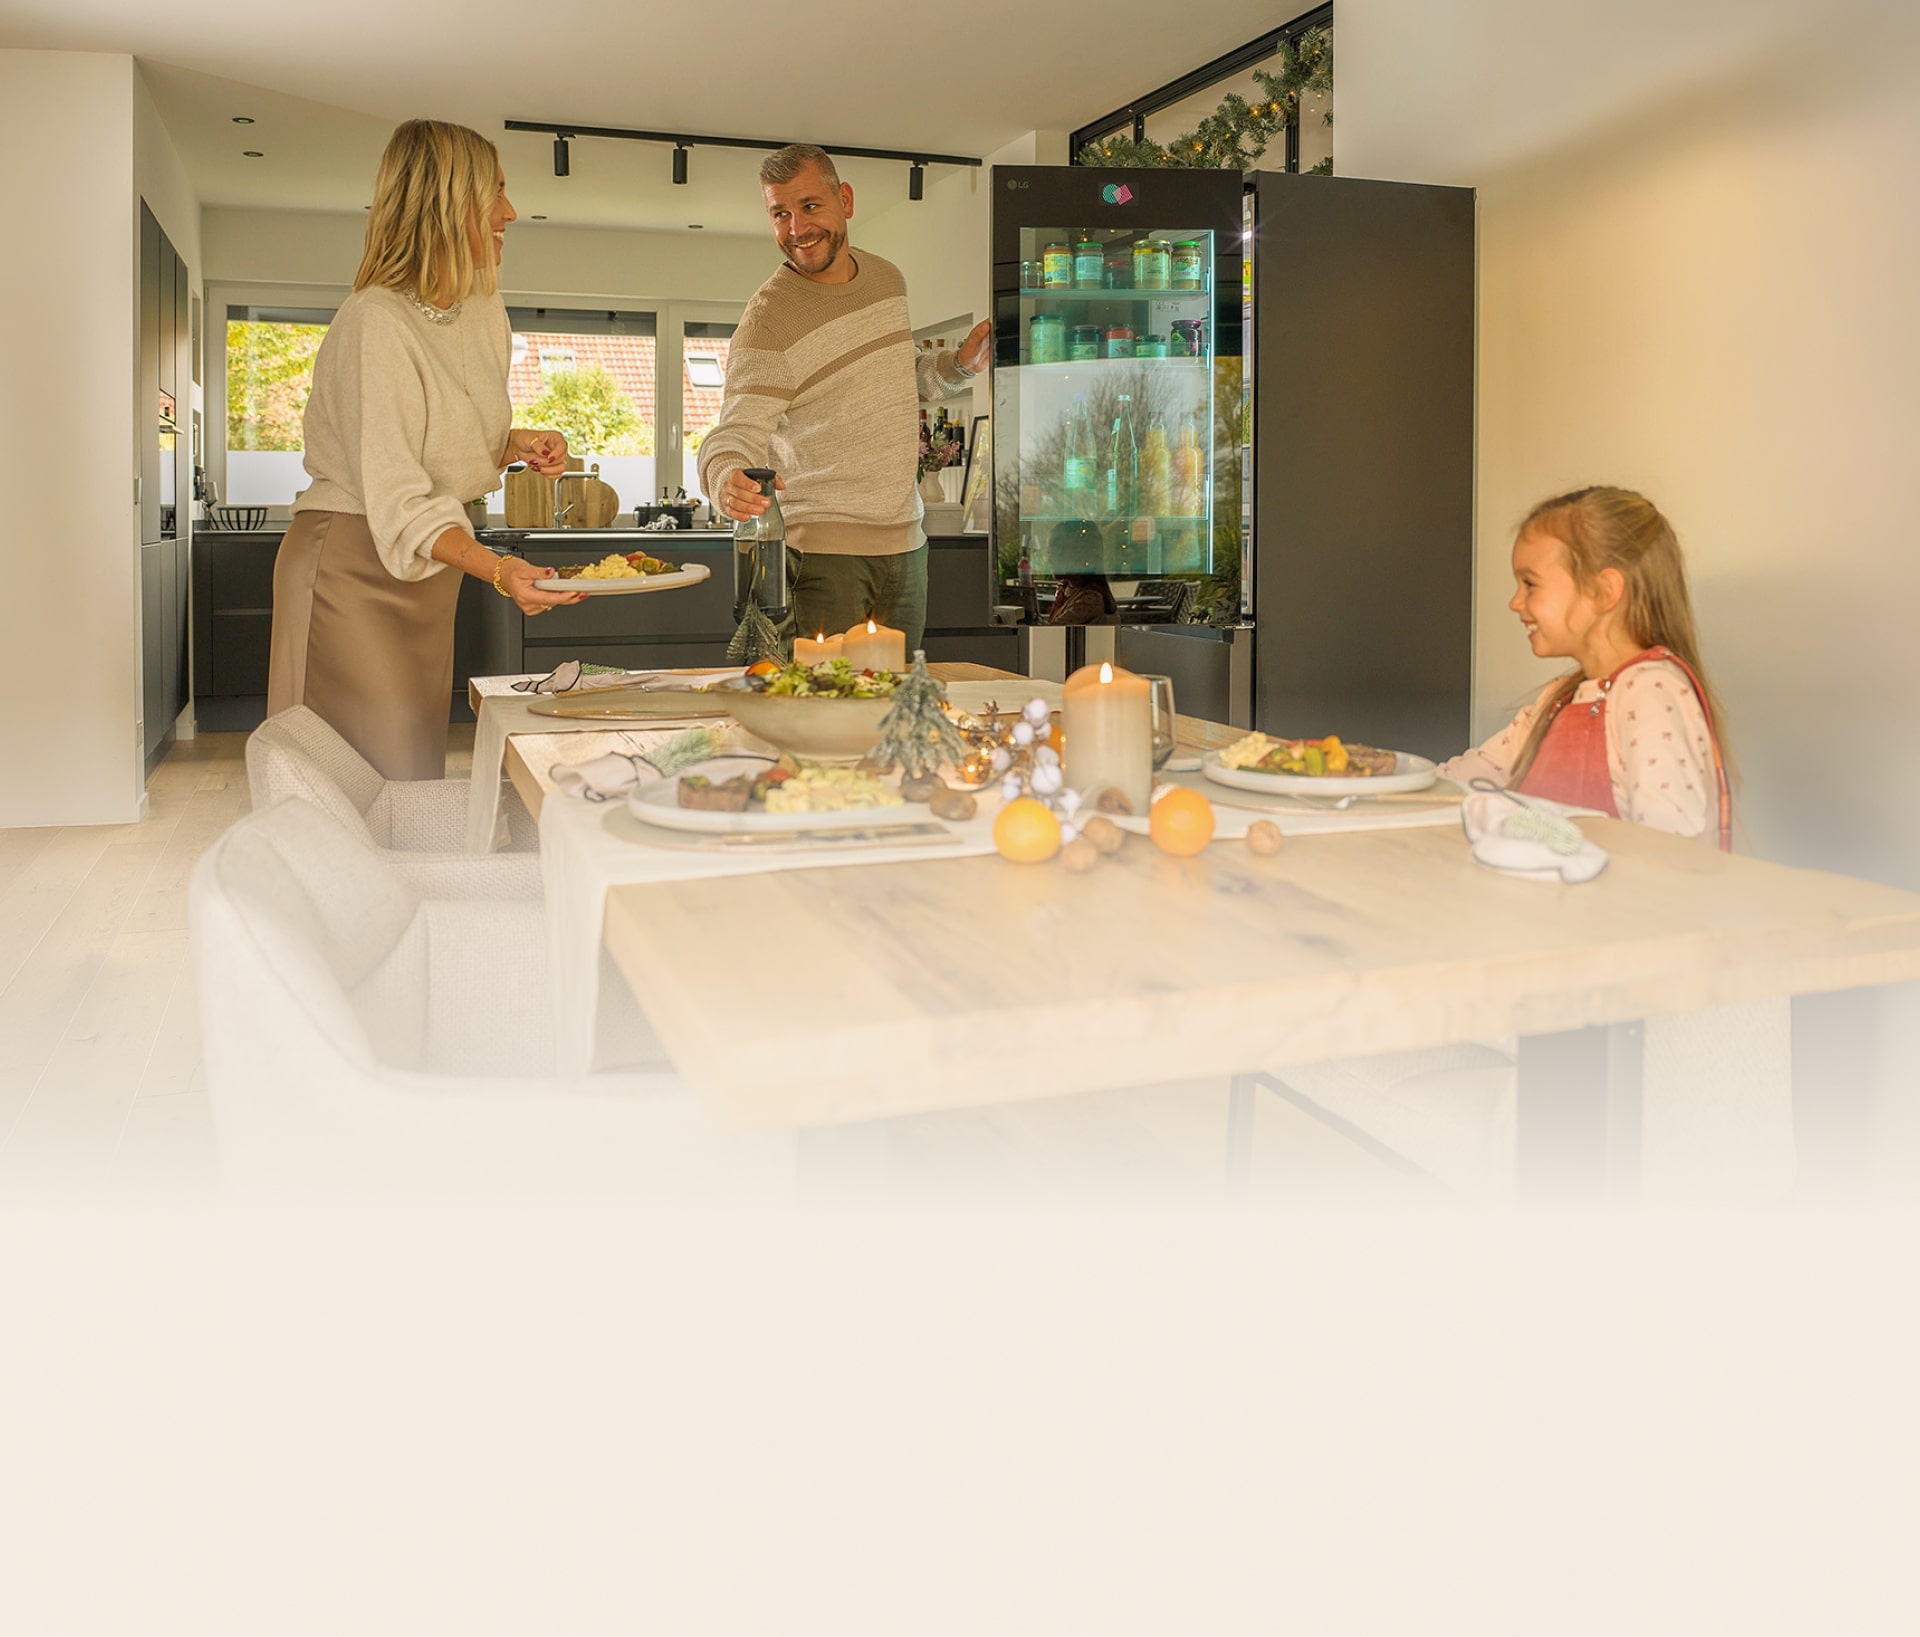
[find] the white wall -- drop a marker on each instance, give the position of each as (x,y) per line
(942,243)
(1699,266)
(69,624)
(317,247)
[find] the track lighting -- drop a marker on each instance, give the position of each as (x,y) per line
(680,162)
(917,181)
(560,165)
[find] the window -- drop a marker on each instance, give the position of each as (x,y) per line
(703,354)
(269,372)
(594,376)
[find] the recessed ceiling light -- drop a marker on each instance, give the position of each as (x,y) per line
(536,218)
(252,153)
(242,119)
(695,226)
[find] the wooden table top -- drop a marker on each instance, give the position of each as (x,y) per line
(820,996)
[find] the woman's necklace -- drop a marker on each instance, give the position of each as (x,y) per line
(427,310)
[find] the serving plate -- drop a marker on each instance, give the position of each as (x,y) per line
(658,803)
(813,728)
(1410,772)
(688,574)
(628,704)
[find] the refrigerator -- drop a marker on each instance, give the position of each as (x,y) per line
(1233,422)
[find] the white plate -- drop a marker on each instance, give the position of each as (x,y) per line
(659,804)
(1409,773)
(689,574)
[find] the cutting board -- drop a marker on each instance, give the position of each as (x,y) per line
(530,497)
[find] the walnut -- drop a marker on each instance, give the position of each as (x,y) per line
(1112,800)
(1264,837)
(953,804)
(1079,855)
(1103,833)
(921,786)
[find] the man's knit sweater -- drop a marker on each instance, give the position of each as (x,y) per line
(823,385)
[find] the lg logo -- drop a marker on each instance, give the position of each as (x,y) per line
(1117,193)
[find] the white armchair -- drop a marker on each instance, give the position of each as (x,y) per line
(361,1038)
(417,825)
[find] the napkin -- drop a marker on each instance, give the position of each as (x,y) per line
(1528,836)
(571,673)
(609,777)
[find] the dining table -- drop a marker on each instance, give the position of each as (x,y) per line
(1645,1010)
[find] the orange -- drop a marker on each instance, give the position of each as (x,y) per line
(1026,832)
(1056,738)
(1181,821)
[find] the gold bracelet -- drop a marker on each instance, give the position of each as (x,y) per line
(497,567)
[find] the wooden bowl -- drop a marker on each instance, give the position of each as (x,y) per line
(815,730)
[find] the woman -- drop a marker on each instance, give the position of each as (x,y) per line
(407,422)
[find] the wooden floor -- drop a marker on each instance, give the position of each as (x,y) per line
(102,1094)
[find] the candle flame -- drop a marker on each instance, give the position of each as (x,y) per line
(1106,671)
(819,636)
(872,629)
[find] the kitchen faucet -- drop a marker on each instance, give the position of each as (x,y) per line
(560,507)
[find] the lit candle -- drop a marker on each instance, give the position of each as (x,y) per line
(1108,728)
(818,650)
(875,647)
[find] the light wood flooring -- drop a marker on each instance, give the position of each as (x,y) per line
(102,1094)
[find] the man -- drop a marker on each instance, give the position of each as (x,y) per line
(823,385)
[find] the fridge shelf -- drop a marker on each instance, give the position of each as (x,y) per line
(1159,366)
(1129,292)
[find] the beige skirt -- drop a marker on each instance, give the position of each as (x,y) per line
(369,654)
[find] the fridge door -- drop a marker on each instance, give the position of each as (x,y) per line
(1117,392)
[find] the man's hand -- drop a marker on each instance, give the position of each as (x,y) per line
(740,496)
(977,350)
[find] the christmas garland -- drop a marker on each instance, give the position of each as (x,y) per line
(1236,133)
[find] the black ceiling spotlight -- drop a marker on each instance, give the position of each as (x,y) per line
(562,134)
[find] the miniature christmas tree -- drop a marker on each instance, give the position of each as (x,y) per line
(755,638)
(916,735)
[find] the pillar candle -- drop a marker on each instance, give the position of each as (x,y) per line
(871,646)
(1108,728)
(818,650)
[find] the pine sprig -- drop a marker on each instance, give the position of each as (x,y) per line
(1238,132)
(755,638)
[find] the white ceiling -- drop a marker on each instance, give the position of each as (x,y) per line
(326,80)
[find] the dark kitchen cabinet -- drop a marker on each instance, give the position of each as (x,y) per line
(165,590)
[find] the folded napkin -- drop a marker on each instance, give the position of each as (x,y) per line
(571,673)
(1528,836)
(610,777)
(571,676)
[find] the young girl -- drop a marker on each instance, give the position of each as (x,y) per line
(1632,732)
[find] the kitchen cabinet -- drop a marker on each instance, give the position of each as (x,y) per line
(165,588)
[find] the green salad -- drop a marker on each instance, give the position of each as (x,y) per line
(834,680)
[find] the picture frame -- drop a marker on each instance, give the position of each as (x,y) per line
(975,503)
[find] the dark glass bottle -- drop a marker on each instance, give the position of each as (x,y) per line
(760,554)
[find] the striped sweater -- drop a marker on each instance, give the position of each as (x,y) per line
(823,385)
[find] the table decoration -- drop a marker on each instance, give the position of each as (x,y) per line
(755,638)
(871,646)
(817,650)
(1108,725)
(916,735)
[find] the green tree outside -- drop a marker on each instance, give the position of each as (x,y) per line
(269,375)
(588,405)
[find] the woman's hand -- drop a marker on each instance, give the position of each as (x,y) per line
(976,352)
(740,496)
(544,451)
(516,579)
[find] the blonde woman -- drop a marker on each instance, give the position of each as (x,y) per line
(407,422)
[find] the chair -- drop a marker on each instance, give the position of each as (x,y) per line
(417,825)
(1175,599)
(363,1038)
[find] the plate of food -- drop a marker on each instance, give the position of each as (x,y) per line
(619,573)
(1316,767)
(827,712)
(739,795)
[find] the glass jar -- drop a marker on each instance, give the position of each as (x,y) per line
(1150,346)
(1047,339)
(1189,265)
(1086,342)
(1117,273)
(1030,275)
(1056,267)
(1188,339)
(1152,264)
(1089,264)
(1118,341)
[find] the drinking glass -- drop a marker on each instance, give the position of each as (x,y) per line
(1166,729)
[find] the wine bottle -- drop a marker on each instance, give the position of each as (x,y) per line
(1076,475)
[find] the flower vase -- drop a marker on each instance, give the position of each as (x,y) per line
(930,487)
